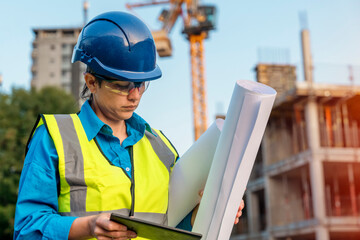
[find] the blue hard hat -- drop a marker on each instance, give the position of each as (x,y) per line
(118,45)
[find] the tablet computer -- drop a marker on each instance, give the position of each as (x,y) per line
(152,230)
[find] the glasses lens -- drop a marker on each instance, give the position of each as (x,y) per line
(142,86)
(117,87)
(146,85)
(125,88)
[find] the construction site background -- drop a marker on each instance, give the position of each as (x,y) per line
(305,182)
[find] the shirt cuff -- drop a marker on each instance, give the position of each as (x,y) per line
(60,227)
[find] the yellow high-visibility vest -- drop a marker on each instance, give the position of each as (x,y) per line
(90,184)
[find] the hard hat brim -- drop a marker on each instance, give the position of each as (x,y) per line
(100,68)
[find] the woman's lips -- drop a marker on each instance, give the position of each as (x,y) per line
(129,108)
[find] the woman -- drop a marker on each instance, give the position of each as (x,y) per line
(81,167)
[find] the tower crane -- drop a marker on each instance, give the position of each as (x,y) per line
(198,20)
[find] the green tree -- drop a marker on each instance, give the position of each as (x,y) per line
(18,112)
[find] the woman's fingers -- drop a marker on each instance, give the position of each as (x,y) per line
(242,205)
(201,193)
(104,222)
(239,212)
(104,228)
(123,235)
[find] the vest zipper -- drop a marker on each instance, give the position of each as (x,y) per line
(132,188)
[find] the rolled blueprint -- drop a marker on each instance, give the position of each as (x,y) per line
(190,173)
(243,129)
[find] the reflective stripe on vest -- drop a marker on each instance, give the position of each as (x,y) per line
(89,184)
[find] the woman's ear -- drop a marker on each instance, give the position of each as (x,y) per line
(90,82)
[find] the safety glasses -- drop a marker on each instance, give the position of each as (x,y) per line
(123,88)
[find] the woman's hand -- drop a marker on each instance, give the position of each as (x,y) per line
(103,228)
(99,226)
(238,214)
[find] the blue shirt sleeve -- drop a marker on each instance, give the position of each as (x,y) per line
(36,214)
(185,224)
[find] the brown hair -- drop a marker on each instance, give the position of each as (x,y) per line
(85,92)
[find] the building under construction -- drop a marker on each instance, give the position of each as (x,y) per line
(305,181)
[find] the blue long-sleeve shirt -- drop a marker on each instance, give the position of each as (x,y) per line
(36,215)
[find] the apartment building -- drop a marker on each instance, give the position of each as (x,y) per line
(51,60)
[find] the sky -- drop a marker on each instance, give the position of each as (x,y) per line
(247,32)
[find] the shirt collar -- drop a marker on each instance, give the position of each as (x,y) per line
(93,125)
(138,123)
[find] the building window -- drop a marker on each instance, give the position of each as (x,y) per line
(52,74)
(66,59)
(68,33)
(52,47)
(50,34)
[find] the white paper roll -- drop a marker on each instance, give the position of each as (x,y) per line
(190,173)
(245,123)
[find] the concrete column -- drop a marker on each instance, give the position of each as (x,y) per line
(307,58)
(252,202)
(312,124)
(322,233)
(270,203)
(316,170)
(264,148)
(318,198)
(268,186)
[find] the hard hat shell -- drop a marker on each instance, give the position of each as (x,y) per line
(118,45)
